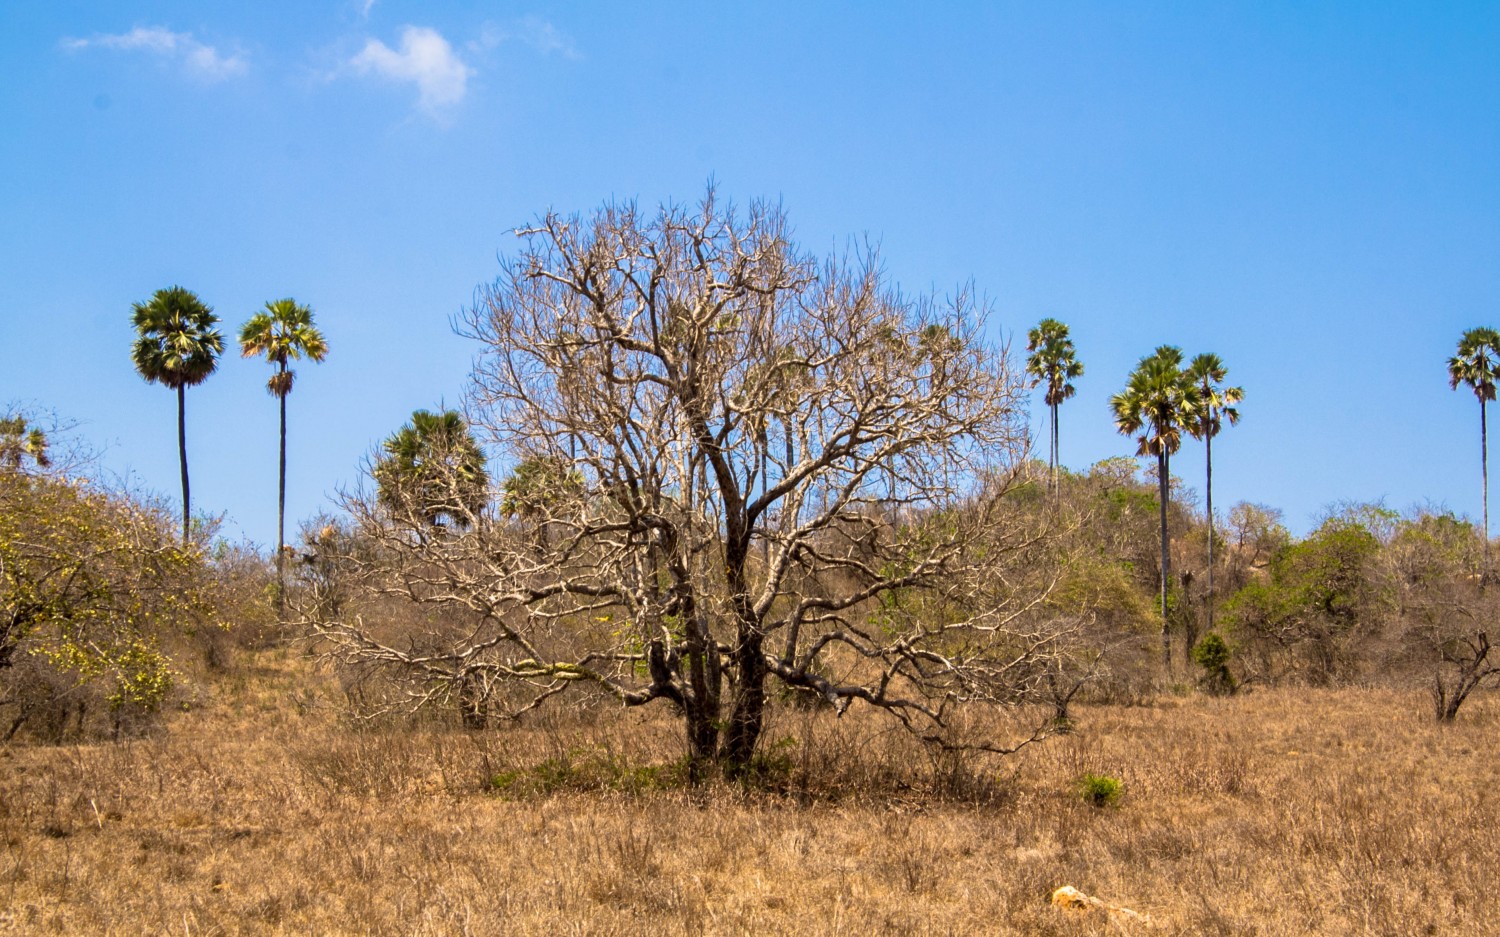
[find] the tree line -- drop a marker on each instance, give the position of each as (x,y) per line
(1163,399)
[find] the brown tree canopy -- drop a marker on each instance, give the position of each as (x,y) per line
(770,467)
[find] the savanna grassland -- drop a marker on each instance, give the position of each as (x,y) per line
(261,809)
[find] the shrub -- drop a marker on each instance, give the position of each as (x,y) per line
(94,586)
(1099,790)
(1212,653)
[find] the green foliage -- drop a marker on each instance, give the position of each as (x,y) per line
(1107,588)
(1476,362)
(282,332)
(539,487)
(1319,593)
(1216,402)
(433,471)
(770,767)
(589,770)
(20,441)
(1051,360)
(1431,549)
(1099,790)
(177,344)
(93,583)
(1213,654)
(1160,400)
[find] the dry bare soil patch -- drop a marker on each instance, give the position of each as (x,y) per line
(260,811)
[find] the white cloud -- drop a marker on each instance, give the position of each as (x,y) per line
(426,60)
(533,31)
(200,59)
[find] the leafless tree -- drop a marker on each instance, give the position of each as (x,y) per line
(768,467)
(1442,609)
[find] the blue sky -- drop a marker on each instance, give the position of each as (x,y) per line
(1308,190)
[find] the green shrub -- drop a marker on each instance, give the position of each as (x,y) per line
(1099,790)
(588,770)
(1212,653)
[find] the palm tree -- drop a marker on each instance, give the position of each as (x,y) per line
(1160,400)
(1217,403)
(283,332)
(433,469)
(1476,365)
(1051,360)
(19,440)
(178,346)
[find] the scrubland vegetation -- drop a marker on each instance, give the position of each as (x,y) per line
(768,624)
(1277,812)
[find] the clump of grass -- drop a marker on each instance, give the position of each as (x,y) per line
(1099,790)
(589,770)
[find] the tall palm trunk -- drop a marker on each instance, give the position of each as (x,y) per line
(1208,443)
(1056,456)
(1484,470)
(182,456)
(1166,573)
(281,517)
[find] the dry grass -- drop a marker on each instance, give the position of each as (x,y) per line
(1278,812)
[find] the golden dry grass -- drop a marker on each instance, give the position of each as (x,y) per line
(1278,812)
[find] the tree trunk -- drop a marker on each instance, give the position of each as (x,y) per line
(1484,471)
(747,718)
(1056,455)
(1208,443)
(281,518)
(473,706)
(1166,573)
(701,706)
(182,456)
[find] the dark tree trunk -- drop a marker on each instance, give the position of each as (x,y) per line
(698,701)
(182,457)
(747,715)
(1056,455)
(700,706)
(1166,570)
(1208,443)
(702,724)
(473,705)
(281,517)
(1484,471)
(747,718)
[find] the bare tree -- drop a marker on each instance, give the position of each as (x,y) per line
(1442,610)
(768,468)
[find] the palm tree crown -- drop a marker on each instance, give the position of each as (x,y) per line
(176,344)
(1160,400)
(1216,402)
(1052,360)
(434,469)
(1477,362)
(282,332)
(20,440)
